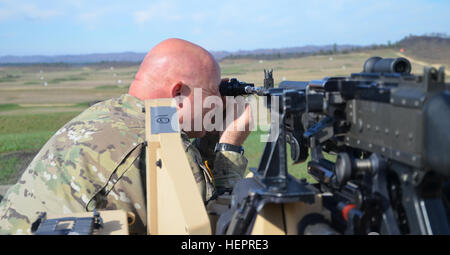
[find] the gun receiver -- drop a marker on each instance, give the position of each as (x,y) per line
(233,87)
(391,133)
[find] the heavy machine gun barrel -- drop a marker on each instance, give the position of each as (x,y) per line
(387,65)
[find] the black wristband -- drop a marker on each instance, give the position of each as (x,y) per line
(229,147)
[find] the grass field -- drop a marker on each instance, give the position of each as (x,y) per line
(22,135)
(36,101)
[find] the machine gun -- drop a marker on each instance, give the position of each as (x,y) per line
(390,131)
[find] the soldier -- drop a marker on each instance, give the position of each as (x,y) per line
(97,159)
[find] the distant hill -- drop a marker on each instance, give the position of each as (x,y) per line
(137,57)
(434,48)
(71,59)
(290,51)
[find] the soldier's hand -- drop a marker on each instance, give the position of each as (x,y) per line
(237,130)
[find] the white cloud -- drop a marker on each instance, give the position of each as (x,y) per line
(34,12)
(12,10)
(94,16)
(162,10)
(76,3)
(97,16)
(5,14)
(89,17)
(201,17)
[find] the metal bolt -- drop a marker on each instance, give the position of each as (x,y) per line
(159,163)
(405,177)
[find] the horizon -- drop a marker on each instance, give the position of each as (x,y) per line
(143,52)
(81,27)
(439,35)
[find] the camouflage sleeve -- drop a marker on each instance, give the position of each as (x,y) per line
(24,203)
(202,175)
(227,167)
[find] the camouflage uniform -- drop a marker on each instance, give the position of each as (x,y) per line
(97,161)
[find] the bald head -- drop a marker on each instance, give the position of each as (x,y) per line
(174,66)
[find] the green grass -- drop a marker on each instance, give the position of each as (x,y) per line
(107,87)
(84,104)
(28,132)
(7,107)
(70,78)
(9,78)
(24,141)
(253,152)
(25,132)
(34,122)
(233,70)
(31,83)
(8,169)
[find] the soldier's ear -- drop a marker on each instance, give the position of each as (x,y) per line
(176,89)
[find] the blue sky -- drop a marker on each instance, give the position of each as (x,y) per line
(90,26)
